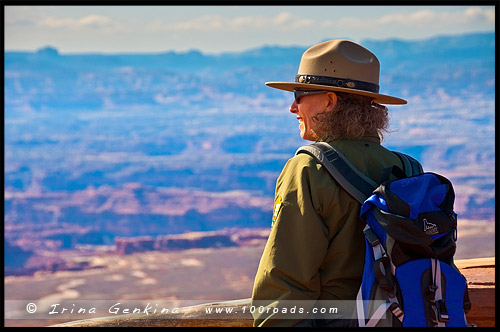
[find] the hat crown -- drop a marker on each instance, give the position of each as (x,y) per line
(340,66)
(340,59)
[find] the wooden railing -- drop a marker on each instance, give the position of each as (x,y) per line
(480,274)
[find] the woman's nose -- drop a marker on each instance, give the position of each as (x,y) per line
(293,107)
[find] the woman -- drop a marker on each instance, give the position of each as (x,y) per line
(315,252)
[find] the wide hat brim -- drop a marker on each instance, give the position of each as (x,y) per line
(378,98)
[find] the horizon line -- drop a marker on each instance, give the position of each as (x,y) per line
(195,50)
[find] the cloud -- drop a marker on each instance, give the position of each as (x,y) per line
(39,17)
(95,20)
(283,21)
(90,21)
(421,18)
(424,17)
(22,15)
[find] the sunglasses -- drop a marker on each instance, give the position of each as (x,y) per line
(301,93)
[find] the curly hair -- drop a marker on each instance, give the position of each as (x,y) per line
(352,117)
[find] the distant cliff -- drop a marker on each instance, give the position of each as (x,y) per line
(214,239)
(20,262)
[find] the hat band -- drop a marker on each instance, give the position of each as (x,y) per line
(339,82)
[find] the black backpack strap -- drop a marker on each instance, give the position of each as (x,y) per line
(357,184)
(411,165)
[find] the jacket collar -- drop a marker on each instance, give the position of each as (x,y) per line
(369,137)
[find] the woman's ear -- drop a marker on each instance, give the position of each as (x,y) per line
(332,100)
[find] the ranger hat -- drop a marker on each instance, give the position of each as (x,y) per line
(339,65)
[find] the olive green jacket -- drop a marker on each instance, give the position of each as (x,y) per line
(315,250)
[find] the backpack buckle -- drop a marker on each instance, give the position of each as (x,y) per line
(371,237)
(442,312)
(397,311)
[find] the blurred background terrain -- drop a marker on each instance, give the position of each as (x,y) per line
(149,170)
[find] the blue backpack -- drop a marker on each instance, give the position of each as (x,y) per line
(409,277)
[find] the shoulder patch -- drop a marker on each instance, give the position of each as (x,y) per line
(277,209)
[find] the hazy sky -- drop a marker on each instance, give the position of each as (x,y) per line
(214,29)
